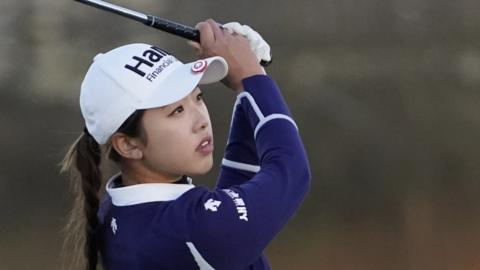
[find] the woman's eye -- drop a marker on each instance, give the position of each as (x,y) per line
(200,96)
(177,110)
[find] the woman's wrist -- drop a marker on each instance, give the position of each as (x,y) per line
(257,70)
(236,83)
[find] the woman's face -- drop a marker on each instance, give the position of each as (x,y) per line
(178,137)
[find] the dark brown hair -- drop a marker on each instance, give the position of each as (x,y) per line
(83,161)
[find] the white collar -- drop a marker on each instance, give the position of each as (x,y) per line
(144,193)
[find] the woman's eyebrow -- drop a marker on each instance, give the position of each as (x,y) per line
(197,89)
(165,106)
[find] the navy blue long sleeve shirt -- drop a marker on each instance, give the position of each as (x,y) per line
(263,179)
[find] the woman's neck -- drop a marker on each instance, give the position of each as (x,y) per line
(133,176)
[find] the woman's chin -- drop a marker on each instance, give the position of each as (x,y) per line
(203,167)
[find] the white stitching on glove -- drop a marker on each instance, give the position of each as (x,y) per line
(258,45)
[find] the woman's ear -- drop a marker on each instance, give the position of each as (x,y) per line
(126,146)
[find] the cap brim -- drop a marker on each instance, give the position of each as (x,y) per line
(183,80)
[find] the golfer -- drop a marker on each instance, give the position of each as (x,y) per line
(144,110)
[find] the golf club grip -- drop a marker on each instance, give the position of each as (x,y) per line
(174,28)
(181,30)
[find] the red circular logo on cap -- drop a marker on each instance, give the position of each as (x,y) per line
(199,66)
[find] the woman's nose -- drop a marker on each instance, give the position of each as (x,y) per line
(201,120)
(200,125)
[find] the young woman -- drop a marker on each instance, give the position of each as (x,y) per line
(145,106)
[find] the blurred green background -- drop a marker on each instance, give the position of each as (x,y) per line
(385,93)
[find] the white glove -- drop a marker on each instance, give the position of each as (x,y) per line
(258,45)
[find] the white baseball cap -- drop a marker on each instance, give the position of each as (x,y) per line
(138,76)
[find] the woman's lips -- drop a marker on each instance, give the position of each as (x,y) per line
(206,146)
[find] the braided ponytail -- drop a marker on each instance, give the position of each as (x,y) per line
(83,162)
(82,227)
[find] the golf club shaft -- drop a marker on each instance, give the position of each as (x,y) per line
(152,21)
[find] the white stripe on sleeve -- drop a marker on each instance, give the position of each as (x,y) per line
(240,166)
(272,117)
(198,258)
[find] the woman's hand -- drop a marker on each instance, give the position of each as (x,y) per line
(235,49)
